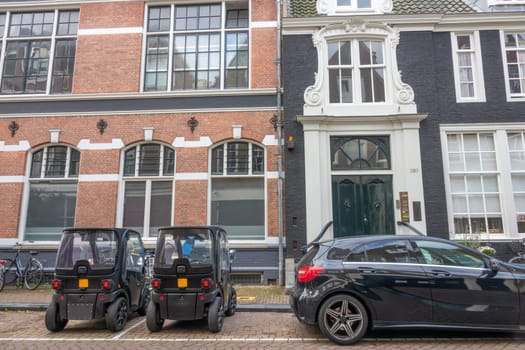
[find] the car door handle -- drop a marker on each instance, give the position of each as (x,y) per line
(366,270)
(440,273)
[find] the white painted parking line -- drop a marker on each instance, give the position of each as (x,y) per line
(118,336)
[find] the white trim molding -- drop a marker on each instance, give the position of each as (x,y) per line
(191,176)
(110,31)
(12,179)
(21,147)
(399,97)
(98,178)
(86,145)
(331,8)
(180,142)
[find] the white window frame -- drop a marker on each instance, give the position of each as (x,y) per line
(510,96)
(42,178)
(504,174)
(222,31)
(225,175)
(330,7)
(476,66)
(399,97)
(148,179)
(54,37)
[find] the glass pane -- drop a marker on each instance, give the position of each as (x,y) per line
(457,184)
(472,161)
(346,55)
(238,206)
(463,42)
(346,86)
(149,161)
(56,161)
(515,141)
(36,163)
(129,162)
(455,161)
(51,208)
(490,183)
(489,161)
(366,85)
(475,203)
(74,163)
(169,161)
(492,203)
(333,77)
(517,160)
(519,200)
(217,160)
(459,204)
(333,54)
(454,142)
(257,160)
(160,211)
(474,184)
(518,182)
(237,158)
(134,203)
(470,142)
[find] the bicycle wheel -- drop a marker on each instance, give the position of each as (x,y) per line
(517,260)
(10,275)
(2,279)
(33,274)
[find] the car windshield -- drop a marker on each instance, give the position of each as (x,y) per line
(195,245)
(97,247)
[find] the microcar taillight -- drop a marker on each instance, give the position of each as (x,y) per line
(155,283)
(56,284)
(307,273)
(106,284)
(206,283)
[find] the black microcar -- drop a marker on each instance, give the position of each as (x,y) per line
(100,272)
(191,277)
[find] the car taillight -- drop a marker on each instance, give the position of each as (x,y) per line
(106,284)
(56,284)
(206,283)
(2,262)
(308,273)
(155,283)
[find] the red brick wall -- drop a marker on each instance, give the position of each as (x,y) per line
(263,58)
(118,14)
(191,202)
(96,204)
(10,197)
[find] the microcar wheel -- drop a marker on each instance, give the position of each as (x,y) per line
(153,320)
(233,303)
(117,315)
(216,315)
(54,323)
(143,309)
(343,319)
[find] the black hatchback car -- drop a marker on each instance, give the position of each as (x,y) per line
(191,277)
(348,286)
(99,272)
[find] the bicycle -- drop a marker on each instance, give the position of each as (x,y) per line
(14,271)
(520,253)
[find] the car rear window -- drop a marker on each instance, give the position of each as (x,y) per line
(309,256)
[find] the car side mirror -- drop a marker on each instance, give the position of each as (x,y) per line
(232,255)
(494,265)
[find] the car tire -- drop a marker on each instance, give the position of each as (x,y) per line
(153,320)
(233,303)
(216,315)
(146,296)
(117,315)
(343,319)
(54,323)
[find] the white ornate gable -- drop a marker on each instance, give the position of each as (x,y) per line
(399,97)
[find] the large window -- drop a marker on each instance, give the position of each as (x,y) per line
(201,46)
(237,189)
(148,187)
(514,55)
(467,67)
(356,71)
(474,187)
(39,52)
(53,181)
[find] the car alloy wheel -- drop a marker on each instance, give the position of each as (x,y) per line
(343,319)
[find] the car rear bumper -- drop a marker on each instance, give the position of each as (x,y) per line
(303,305)
(182,306)
(83,306)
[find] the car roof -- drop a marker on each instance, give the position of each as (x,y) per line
(356,240)
(119,230)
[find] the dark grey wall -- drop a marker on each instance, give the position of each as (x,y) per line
(300,62)
(425,60)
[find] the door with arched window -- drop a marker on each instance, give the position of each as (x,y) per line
(362,197)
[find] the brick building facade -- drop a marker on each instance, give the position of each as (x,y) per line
(140,114)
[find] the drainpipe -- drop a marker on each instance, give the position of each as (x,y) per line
(279,144)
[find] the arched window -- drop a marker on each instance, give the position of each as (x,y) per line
(148,187)
(237,189)
(53,181)
(360,153)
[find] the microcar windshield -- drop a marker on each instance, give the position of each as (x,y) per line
(96,247)
(194,245)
